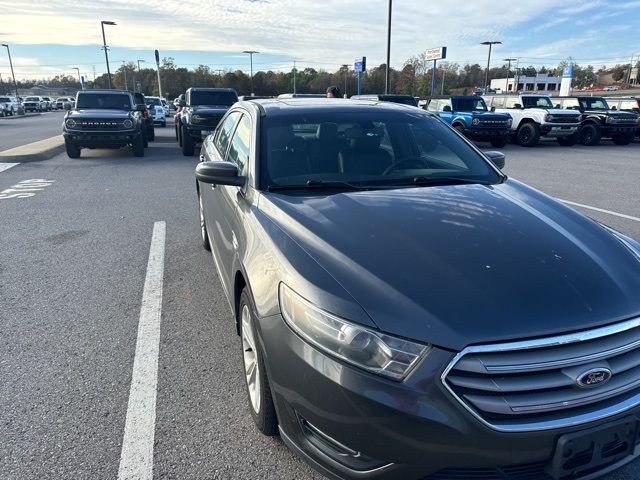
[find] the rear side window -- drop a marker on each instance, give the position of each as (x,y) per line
(241,145)
(223,135)
(498,102)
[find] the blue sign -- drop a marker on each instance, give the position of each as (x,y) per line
(567,72)
(360,65)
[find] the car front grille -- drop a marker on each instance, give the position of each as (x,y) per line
(208,121)
(550,382)
(565,119)
(92,125)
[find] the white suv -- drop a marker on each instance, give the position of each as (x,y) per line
(9,106)
(534,116)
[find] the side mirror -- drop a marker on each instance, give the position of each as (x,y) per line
(493,109)
(182,103)
(497,158)
(613,107)
(219,173)
(517,105)
(446,108)
(558,105)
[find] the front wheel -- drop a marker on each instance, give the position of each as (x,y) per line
(138,147)
(203,225)
(152,134)
(622,139)
(73,150)
(255,374)
(187,142)
(528,134)
(498,142)
(590,135)
(567,141)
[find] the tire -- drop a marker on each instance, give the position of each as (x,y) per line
(590,135)
(175,128)
(459,128)
(528,134)
(256,382)
(622,139)
(187,142)
(145,140)
(73,150)
(203,225)
(152,134)
(138,147)
(567,141)
(498,142)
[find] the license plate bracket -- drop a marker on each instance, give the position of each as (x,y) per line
(587,451)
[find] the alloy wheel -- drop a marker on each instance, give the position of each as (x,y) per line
(250,357)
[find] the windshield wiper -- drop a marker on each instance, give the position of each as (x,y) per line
(437,181)
(319,184)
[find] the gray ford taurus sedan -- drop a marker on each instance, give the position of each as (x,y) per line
(405,310)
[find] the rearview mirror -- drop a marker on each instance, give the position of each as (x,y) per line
(219,173)
(497,158)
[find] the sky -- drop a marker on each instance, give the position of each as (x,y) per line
(51,37)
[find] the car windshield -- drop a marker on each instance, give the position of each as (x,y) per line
(109,101)
(31,99)
(366,149)
(213,98)
(594,103)
(629,105)
(536,102)
(475,104)
(5,99)
(152,101)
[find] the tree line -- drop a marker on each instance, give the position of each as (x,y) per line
(413,79)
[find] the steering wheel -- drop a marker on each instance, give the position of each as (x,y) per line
(394,166)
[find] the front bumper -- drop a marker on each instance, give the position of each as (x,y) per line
(558,130)
(612,130)
(486,133)
(351,424)
(200,132)
(98,139)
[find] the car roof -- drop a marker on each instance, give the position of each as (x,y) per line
(288,106)
(102,91)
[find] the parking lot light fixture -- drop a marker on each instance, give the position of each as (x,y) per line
(140,75)
(104,45)
(15,85)
(486,77)
(251,52)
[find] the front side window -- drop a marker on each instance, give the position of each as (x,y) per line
(631,105)
(433,105)
(223,133)
(241,145)
(443,104)
(537,102)
(475,104)
(374,148)
(512,102)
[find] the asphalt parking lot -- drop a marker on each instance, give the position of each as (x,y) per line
(73,260)
(21,130)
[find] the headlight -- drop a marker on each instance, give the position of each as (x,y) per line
(475,121)
(548,117)
(610,119)
(127,123)
(70,122)
(509,122)
(371,350)
(198,119)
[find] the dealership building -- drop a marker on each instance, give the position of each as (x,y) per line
(540,83)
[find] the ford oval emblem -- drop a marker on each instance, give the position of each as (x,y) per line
(594,377)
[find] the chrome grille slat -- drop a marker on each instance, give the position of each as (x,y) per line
(540,384)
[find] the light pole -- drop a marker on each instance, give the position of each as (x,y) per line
(386,76)
(79,81)
(140,75)
(509,72)
(104,43)
(15,85)
(294,76)
(486,77)
(346,72)
(251,52)
(124,71)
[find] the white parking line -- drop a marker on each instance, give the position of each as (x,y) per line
(7,166)
(622,215)
(136,458)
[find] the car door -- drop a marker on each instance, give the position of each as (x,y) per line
(232,200)
(215,149)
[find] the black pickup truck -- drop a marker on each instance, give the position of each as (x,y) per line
(202,110)
(103,119)
(599,120)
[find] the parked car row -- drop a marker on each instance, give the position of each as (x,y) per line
(570,120)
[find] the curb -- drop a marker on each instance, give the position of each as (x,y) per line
(34,152)
(16,117)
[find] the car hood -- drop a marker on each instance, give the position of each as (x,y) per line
(490,116)
(461,265)
(93,113)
